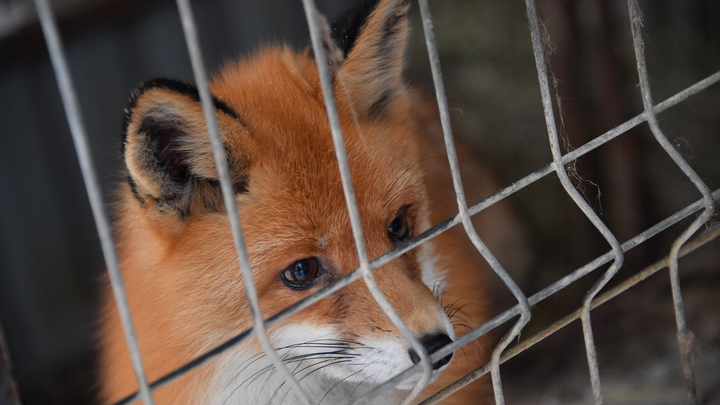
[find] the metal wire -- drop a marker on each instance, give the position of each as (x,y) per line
(191,38)
(541,66)
(700,241)
(684,336)
(455,220)
(316,25)
(463,209)
(545,293)
(92,186)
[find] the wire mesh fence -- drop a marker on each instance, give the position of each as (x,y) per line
(702,211)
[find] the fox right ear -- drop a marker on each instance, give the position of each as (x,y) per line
(167,150)
(373,37)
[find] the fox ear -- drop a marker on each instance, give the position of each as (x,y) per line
(373,37)
(167,150)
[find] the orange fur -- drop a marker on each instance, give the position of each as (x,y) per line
(177,256)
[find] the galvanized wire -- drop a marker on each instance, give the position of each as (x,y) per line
(316,24)
(684,335)
(455,220)
(545,293)
(92,186)
(541,66)
(695,244)
(366,266)
(191,38)
(463,208)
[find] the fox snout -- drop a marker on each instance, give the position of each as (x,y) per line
(432,343)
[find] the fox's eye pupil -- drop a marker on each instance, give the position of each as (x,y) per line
(302,270)
(399,229)
(301,274)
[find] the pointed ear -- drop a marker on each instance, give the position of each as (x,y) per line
(373,37)
(167,150)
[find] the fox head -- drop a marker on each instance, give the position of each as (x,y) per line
(177,256)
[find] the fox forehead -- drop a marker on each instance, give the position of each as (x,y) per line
(294,181)
(277,94)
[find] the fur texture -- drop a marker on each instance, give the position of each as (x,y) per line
(177,255)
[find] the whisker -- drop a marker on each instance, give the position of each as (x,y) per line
(255,376)
(404,172)
(277,390)
(301,378)
(338,383)
(325,352)
(329,362)
(247,364)
(252,377)
(352,393)
(398,193)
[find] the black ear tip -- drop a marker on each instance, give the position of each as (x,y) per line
(177,86)
(346,28)
(158,82)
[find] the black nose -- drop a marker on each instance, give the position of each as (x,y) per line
(432,343)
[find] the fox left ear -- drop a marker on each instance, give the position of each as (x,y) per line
(167,151)
(373,37)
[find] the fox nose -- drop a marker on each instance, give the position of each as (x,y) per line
(432,343)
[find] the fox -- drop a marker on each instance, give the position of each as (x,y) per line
(175,247)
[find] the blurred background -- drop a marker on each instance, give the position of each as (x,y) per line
(50,259)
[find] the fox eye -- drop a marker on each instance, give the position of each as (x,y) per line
(301,274)
(399,229)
